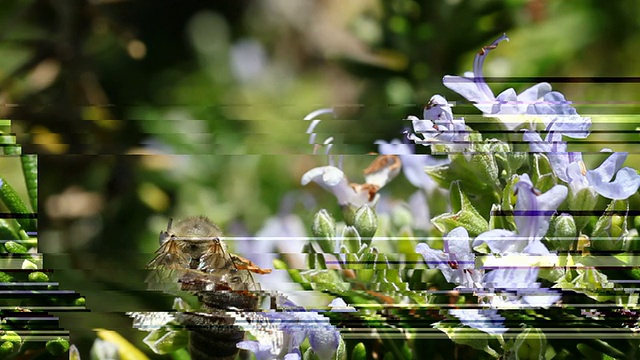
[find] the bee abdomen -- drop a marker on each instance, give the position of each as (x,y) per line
(212,336)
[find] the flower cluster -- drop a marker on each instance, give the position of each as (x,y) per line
(501,263)
(287,330)
(524,214)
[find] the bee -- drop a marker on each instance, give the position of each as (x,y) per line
(193,258)
(193,255)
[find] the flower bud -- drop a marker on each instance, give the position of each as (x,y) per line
(366,222)
(38,276)
(531,344)
(6,348)
(74,354)
(57,347)
(516,160)
(324,229)
(351,239)
(325,341)
(485,167)
(401,217)
(15,248)
(562,232)
(359,352)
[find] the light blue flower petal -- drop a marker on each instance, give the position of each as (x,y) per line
(511,279)
(435,259)
(438,109)
(457,242)
(261,351)
(542,300)
(534,93)
(608,168)
(502,241)
(324,340)
(486,320)
(626,184)
(470,91)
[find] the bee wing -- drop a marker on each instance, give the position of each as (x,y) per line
(167,267)
(169,255)
(164,279)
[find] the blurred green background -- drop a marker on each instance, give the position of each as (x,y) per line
(142,110)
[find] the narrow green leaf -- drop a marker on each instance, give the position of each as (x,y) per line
(13,202)
(30,170)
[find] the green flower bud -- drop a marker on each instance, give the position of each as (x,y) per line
(485,167)
(351,239)
(11,336)
(562,232)
(366,222)
(349,214)
(324,229)
(38,276)
(81,301)
(516,160)
(57,347)
(6,348)
(401,217)
(359,352)
(15,248)
(4,277)
(74,354)
(531,344)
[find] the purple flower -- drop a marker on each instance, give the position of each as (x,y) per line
(507,106)
(456,262)
(412,164)
(262,351)
(288,329)
(532,215)
(519,287)
(381,171)
(569,167)
(439,126)
(487,320)
(626,183)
